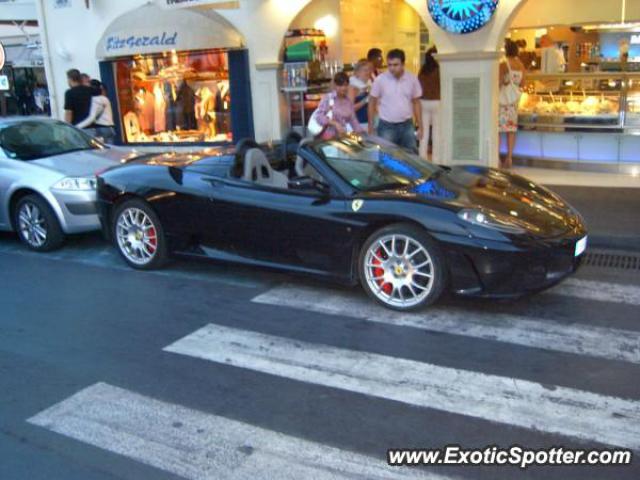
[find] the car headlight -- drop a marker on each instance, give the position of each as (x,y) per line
(495,221)
(76,184)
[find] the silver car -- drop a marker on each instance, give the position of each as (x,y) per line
(47,179)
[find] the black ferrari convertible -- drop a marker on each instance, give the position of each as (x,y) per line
(356,209)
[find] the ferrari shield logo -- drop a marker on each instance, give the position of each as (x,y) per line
(357,205)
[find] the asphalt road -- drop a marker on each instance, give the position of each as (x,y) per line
(208,371)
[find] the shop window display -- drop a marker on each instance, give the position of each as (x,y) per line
(175,97)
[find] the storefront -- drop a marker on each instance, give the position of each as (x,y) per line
(335,37)
(146,65)
(23,84)
(583,111)
(176,77)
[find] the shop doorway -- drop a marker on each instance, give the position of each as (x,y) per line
(328,36)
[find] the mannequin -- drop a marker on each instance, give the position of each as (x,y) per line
(186,107)
(222,107)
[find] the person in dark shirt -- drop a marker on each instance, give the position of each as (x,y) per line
(77,100)
(374,56)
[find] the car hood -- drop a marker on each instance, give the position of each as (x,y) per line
(500,192)
(85,162)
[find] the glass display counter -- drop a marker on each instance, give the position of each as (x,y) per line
(586,121)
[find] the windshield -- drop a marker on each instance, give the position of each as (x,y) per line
(370,164)
(32,140)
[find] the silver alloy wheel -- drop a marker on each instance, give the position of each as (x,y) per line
(137,236)
(399,270)
(32,225)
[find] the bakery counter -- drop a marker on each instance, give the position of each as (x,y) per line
(585,121)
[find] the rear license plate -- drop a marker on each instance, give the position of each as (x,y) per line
(581,246)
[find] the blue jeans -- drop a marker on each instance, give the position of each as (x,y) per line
(106,134)
(402,134)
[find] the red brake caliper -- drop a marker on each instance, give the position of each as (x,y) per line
(153,240)
(379,272)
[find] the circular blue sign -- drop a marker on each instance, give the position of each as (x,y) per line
(462,16)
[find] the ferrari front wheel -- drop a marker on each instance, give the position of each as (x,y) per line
(139,235)
(402,268)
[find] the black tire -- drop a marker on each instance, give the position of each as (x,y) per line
(160,256)
(439,272)
(54,236)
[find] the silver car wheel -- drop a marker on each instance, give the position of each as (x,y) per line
(137,236)
(399,271)
(32,225)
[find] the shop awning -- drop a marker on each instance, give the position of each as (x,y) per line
(150,29)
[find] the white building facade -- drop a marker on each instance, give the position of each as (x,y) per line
(76,35)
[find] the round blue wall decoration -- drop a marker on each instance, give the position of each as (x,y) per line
(462,16)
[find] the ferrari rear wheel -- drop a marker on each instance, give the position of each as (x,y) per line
(139,235)
(402,268)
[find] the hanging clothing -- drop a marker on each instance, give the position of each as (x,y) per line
(186,108)
(145,109)
(170,109)
(159,106)
(207,105)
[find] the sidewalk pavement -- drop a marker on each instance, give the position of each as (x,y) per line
(612,214)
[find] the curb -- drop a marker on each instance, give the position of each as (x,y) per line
(627,243)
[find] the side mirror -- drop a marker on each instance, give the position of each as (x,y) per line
(307,184)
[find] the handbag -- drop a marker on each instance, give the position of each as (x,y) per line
(510,94)
(314,127)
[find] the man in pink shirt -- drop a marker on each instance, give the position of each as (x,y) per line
(395,96)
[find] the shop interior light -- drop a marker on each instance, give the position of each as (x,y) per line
(627,27)
(328,24)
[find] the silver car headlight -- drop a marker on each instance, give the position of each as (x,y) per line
(495,221)
(78,184)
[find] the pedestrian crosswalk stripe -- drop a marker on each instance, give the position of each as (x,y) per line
(200,446)
(598,342)
(599,291)
(557,410)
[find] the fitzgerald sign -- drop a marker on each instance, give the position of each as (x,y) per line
(116,43)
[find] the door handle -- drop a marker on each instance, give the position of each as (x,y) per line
(214,182)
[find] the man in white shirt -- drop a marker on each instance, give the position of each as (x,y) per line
(395,97)
(553,60)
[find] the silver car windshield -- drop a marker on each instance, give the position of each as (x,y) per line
(33,139)
(369,163)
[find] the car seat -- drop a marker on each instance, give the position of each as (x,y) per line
(257,169)
(302,167)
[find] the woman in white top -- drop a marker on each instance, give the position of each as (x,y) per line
(99,123)
(511,72)
(359,91)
